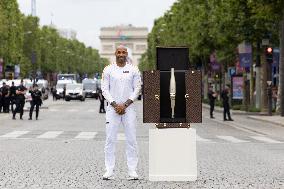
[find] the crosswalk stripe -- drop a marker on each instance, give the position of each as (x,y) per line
(86,135)
(231,139)
(73,110)
(53,110)
(14,134)
(200,139)
(265,139)
(121,136)
(50,134)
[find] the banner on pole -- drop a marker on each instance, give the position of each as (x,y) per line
(245,54)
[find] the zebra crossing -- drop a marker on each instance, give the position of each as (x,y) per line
(91,135)
(91,110)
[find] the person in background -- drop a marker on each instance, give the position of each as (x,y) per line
(102,101)
(226,105)
(5,98)
(36,100)
(54,91)
(212,97)
(13,95)
(20,100)
(64,92)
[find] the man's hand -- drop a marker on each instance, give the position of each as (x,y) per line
(120,109)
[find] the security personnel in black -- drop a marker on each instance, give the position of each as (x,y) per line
(212,97)
(5,97)
(225,97)
(13,95)
(102,101)
(36,100)
(20,100)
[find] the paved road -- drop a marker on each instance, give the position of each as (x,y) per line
(64,149)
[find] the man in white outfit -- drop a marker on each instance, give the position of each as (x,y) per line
(121,85)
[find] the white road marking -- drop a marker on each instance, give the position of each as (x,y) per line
(265,139)
(200,139)
(121,136)
(53,110)
(91,110)
(14,134)
(50,134)
(86,135)
(73,110)
(231,139)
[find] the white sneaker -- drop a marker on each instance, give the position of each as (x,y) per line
(108,174)
(132,175)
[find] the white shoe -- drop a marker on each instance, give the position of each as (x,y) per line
(108,174)
(132,175)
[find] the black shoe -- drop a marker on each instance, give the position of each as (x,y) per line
(13,118)
(212,117)
(225,120)
(36,118)
(230,120)
(30,118)
(21,118)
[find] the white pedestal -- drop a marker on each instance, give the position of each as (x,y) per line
(172,154)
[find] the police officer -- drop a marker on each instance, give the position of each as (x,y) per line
(212,97)
(102,101)
(121,84)
(13,96)
(226,105)
(20,100)
(36,100)
(5,97)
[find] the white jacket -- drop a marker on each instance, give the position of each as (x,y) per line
(121,83)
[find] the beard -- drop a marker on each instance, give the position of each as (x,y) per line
(121,59)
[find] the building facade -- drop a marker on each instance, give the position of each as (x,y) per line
(68,33)
(134,38)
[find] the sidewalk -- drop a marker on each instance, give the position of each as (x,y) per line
(236,112)
(276,119)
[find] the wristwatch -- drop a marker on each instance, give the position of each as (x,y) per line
(113,104)
(127,103)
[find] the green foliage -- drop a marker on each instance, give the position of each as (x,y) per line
(21,36)
(253,109)
(208,26)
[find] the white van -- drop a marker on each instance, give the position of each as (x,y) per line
(60,87)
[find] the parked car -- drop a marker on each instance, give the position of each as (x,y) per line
(60,87)
(90,86)
(75,92)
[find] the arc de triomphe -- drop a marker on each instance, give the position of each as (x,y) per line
(134,38)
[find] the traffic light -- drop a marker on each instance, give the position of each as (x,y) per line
(269,55)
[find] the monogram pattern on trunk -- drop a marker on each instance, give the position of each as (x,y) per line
(193,102)
(151,105)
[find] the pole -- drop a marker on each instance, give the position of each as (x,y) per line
(269,95)
(257,78)
(281,67)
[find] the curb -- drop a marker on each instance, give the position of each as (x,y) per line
(232,111)
(267,121)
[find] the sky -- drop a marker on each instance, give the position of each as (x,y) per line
(86,17)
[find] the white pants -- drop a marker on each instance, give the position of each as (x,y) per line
(128,120)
